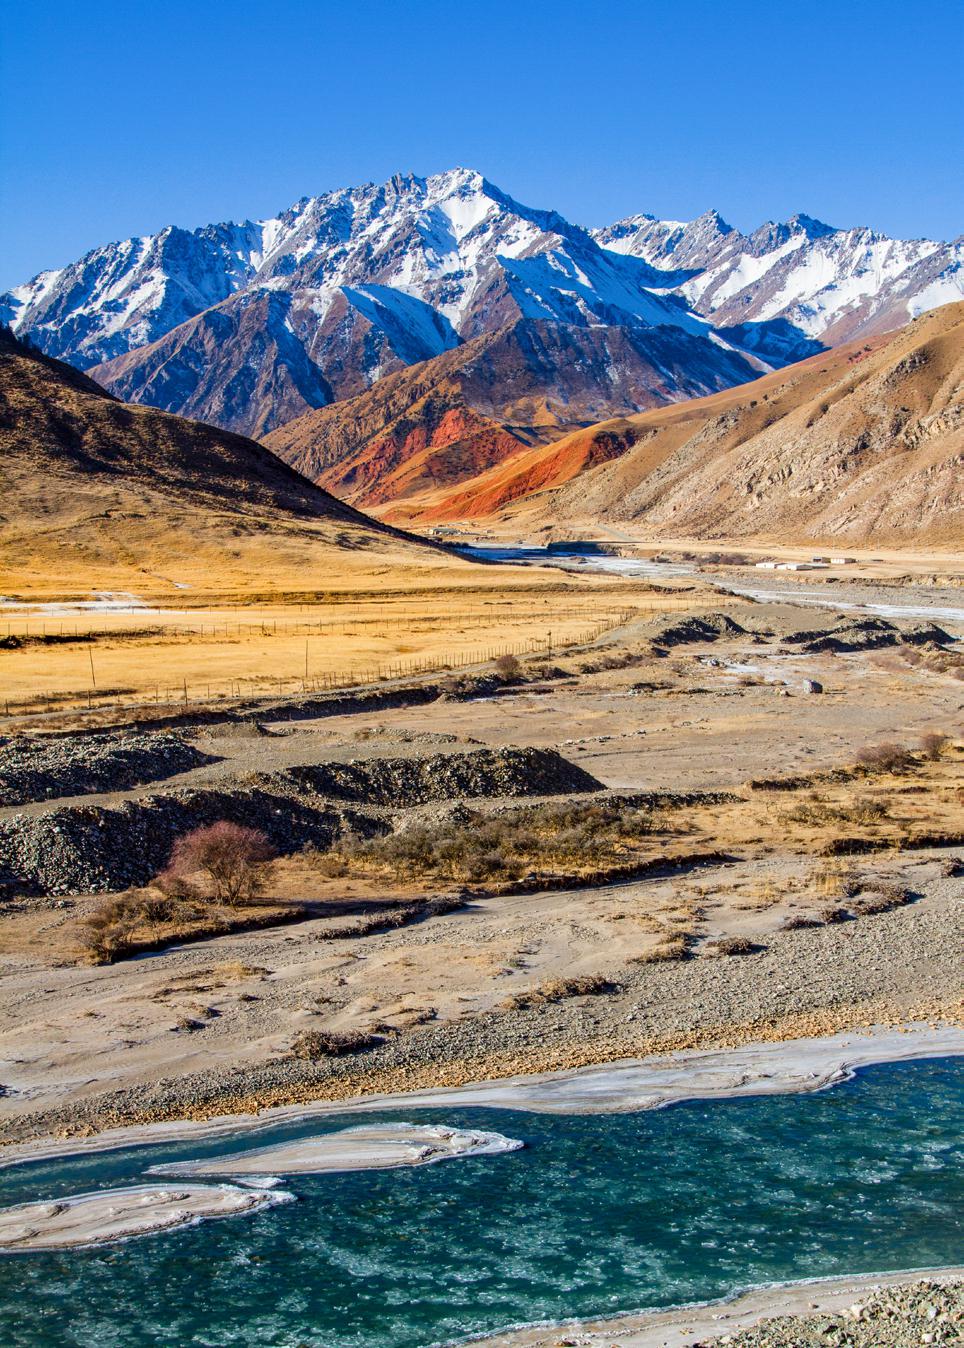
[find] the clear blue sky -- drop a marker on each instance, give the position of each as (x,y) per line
(121,116)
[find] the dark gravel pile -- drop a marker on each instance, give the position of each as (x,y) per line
(34,769)
(404,782)
(708,628)
(81,849)
(84,849)
(867,634)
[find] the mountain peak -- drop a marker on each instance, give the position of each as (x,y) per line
(814,229)
(247,324)
(713,220)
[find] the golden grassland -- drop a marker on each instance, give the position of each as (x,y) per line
(56,656)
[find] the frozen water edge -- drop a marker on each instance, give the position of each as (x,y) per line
(107,1215)
(760,1068)
(368,1147)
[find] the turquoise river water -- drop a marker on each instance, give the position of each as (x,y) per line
(598,1214)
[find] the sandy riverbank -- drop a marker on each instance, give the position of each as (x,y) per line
(761,1068)
(689,1327)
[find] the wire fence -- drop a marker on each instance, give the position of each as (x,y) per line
(194,692)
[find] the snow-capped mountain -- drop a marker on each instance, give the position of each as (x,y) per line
(824,284)
(250,325)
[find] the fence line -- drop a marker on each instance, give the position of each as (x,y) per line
(401,667)
(42,629)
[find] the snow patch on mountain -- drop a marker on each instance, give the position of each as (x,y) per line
(829,284)
(372,278)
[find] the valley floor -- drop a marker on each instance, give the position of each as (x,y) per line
(775,892)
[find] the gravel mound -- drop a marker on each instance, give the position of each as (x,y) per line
(34,769)
(867,634)
(81,849)
(890,1317)
(405,782)
(708,628)
(85,849)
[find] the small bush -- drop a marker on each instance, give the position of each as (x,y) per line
(885,758)
(506,845)
(796,921)
(883,899)
(933,744)
(734,945)
(677,948)
(508,667)
(834,881)
(174,886)
(106,933)
(311,1045)
(557,990)
(232,859)
(834,913)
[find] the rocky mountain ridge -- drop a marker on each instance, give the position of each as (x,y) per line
(863,443)
(820,283)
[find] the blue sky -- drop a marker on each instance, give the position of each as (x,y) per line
(119,118)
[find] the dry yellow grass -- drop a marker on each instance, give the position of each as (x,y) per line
(69,658)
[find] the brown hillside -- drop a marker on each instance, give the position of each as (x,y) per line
(100,494)
(862,443)
(443,422)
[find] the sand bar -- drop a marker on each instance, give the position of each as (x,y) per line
(117,1214)
(369,1147)
(761,1068)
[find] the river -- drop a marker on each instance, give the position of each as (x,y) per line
(597,1214)
(843,599)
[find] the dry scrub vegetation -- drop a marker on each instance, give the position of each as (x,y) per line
(212,870)
(892,800)
(571,837)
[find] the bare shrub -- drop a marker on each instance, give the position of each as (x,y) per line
(508,667)
(883,899)
(557,990)
(885,758)
(509,844)
(817,811)
(734,945)
(174,885)
(834,913)
(933,744)
(106,933)
(311,1045)
(677,948)
(835,881)
(796,921)
(232,859)
(116,925)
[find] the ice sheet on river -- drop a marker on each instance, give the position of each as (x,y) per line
(118,1214)
(380,1146)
